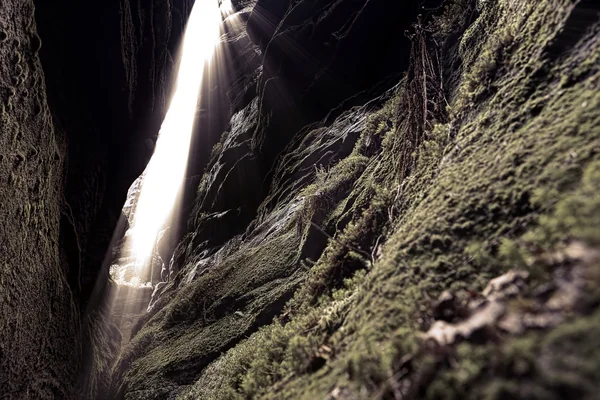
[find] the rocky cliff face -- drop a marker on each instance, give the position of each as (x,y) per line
(40,320)
(384,200)
(78,86)
(377,169)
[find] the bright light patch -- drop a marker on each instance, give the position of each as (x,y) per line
(165,172)
(226,7)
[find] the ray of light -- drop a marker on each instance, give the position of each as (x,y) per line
(165,172)
(205,60)
(226,7)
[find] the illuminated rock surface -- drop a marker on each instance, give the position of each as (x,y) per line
(378,204)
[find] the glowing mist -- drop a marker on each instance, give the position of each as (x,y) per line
(165,172)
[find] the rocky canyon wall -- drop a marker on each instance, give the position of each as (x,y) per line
(414,239)
(40,320)
(397,207)
(385,199)
(83,90)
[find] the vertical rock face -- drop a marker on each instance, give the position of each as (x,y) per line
(108,71)
(39,328)
(295,64)
(78,85)
(317,59)
(319,54)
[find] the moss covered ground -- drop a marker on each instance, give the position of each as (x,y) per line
(509,168)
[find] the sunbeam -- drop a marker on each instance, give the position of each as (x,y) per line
(164,174)
(204,62)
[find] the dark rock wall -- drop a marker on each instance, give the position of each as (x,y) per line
(84,88)
(39,328)
(295,64)
(108,69)
(319,54)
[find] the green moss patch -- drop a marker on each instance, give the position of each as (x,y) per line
(512,169)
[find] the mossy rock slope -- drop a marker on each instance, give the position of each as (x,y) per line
(484,157)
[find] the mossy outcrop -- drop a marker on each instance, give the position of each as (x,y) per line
(483,158)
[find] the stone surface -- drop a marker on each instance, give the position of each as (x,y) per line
(40,324)
(321,234)
(108,76)
(83,90)
(335,208)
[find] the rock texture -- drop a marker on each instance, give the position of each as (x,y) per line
(332,215)
(39,332)
(78,85)
(108,77)
(385,199)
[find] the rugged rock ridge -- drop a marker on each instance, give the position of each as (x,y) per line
(323,53)
(483,158)
(296,64)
